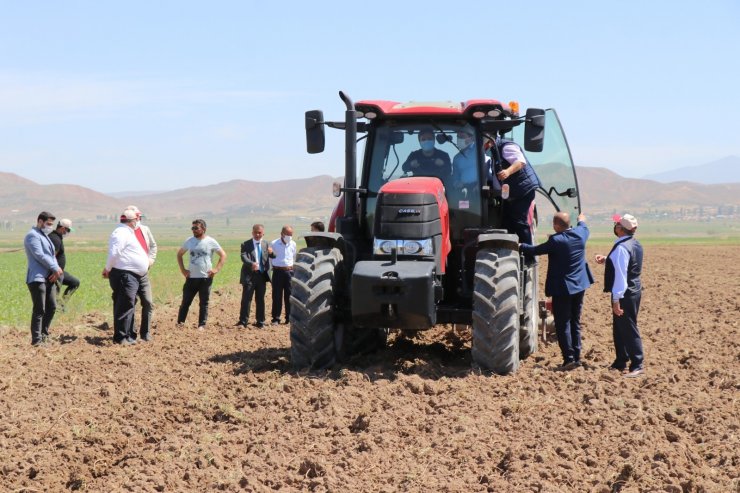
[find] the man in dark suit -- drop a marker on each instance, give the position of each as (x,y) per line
(568,276)
(254,276)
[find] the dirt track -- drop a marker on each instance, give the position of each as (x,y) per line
(222,410)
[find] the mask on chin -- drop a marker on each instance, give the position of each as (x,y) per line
(287,239)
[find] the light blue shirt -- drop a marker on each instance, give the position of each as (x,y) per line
(40,255)
(465,165)
(620,258)
(200,252)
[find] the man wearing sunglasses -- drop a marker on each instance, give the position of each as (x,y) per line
(200,272)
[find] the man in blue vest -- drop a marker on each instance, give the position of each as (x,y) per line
(518,176)
(568,276)
(623,267)
(42,274)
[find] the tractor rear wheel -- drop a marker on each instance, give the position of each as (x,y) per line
(530,312)
(496,310)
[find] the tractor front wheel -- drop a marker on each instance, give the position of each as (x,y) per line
(496,310)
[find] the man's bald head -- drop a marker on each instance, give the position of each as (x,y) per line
(560,221)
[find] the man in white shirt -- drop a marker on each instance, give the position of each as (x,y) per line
(146,239)
(623,267)
(283,256)
(127,263)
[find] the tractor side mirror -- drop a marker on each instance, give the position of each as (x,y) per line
(534,130)
(443,138)
(315,138)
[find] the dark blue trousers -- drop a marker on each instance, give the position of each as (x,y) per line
(566,309)
(125,285)
(627,340)
(515,214)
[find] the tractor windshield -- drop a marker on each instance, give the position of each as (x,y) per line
(446,150)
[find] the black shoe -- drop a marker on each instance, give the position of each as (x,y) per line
(146,338)
(241,324)
(286,322)
(260,325)
(570,365)
(125,342)
(275,321)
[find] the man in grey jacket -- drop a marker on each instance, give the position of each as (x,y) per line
(146,239)
(43,272)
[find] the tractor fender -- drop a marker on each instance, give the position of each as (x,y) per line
(498,240)
(326,240)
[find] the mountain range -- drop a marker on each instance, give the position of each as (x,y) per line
(725,170)
(602,192)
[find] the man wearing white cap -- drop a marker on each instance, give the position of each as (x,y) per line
(64,227)
(622,280)
(127,263)
(146,239)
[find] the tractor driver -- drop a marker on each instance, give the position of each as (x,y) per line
(428,161)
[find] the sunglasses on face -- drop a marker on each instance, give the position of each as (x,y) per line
(195,228)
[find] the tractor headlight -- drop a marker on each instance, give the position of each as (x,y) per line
(404,247)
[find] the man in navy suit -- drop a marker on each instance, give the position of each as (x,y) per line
(254,275)
(42,273)
(568,276)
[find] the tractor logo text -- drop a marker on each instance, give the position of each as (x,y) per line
(410,212)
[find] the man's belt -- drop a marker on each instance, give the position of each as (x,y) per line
(277,267)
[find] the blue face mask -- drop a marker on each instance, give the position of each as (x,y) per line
(427,145)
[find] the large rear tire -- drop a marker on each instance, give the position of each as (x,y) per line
(530,312)
(496,310)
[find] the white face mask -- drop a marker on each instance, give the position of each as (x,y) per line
(462,142)
(47,230)
(287,239)
(136,224)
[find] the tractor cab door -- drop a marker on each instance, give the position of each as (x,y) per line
(554,166)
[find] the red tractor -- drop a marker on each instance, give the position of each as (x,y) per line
(411,248)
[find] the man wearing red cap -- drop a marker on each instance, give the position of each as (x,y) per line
(127,263)
(622,280)
(146,240)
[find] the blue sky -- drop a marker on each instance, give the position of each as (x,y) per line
(168,94)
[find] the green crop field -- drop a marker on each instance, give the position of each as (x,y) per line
(86,251)
(87,246)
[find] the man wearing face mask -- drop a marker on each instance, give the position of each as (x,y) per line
(622,280)
(126,264)
(42,273)
(146,240)
(64,227)
(465,163)
(283,256)
(428,161)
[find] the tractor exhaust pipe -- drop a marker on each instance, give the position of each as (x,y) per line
(350,156)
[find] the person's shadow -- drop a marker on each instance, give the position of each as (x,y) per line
(96,340)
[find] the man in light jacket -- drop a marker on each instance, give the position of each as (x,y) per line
(146,239)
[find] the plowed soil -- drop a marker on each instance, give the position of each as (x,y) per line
(223,410)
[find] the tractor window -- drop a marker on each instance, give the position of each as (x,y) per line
(425,149)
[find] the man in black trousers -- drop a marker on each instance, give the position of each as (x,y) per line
(568,276)
(622,280)
(64,227)
(254,276)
